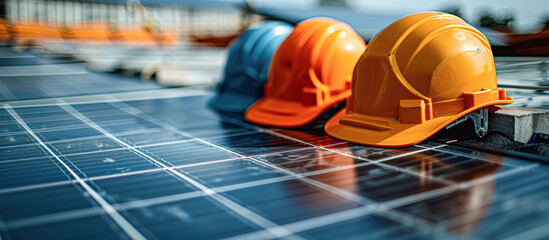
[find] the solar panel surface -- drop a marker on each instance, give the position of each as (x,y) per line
(132,165)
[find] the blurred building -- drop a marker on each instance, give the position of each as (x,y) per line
(183,18)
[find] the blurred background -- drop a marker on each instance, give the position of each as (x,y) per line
(184,42)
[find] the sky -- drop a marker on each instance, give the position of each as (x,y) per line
(527,13)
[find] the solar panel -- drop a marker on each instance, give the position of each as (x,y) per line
(136,165)
(25,76)
(526,79)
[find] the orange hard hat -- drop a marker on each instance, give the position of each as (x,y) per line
(310,72)
(418,75)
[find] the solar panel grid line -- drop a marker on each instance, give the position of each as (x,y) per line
(351,196)
(136,204)
(333,218)
(220,189)
(446,225)
(54,217)
(338,192)
(378,163)
(70,140)
(159,200)
(73,214)
(169,127)
(121,221)
(4,229)
(57,156)
(35,186)
(135,95)
(73,139)
(444,150)
(383,160)
(240,210)
(43,185)
(6,92)
(312,223)
(455,152)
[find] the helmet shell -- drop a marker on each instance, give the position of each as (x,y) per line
(419,74)
(310,72)
(247,66)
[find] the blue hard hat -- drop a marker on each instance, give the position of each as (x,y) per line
(247,66)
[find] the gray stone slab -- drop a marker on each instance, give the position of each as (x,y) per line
(518,123)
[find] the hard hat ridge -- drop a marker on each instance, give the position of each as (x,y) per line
(418,75)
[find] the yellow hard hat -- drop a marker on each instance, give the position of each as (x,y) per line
(421,73)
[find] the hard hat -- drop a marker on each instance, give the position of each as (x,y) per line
(418,75)
(248,65)
(310,73)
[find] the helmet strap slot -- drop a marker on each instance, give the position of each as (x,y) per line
(416,111)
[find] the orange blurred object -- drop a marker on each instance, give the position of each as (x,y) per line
(87,33)
(421,73)
(310,73)
(4,35)
(31,32)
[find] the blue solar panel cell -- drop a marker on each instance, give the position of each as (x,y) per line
(143,187)
(367,227)
(109,162)
(9,126)
(256,143)
(15,139)
(213,129)
(310,161)
(486,208)
(98,227)
(21,152)
(79,146)
(184,153)
(49,125)
(19,173)
(150,136)
(290,201)
(195,218)
(68,133)
(26,207)
(380,183)
(232,172)
(314,135)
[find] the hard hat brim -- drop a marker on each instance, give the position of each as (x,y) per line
(231,102)
(383,132)
(280,113)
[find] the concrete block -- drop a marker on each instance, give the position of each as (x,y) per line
(518,123)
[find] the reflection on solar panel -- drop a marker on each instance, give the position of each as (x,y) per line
(121,166)
(138,169)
